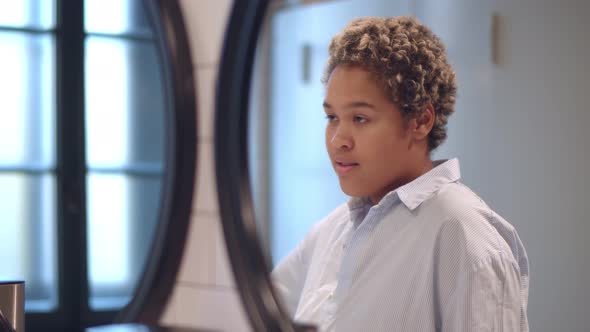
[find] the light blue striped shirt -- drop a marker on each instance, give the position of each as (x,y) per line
(431,256)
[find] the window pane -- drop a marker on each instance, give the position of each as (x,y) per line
(124,104)
(122,214)
(27,102)
(116,17)
(27,241)
(35,14)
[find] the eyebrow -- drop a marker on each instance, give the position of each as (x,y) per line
(354,104)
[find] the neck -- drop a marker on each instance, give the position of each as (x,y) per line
(417,169)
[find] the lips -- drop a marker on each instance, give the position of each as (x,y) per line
(343,167)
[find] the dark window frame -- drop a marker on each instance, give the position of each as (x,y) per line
(72,289)
(155,287)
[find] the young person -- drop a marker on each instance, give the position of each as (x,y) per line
(414,249)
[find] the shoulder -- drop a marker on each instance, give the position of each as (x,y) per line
(457,200)
(469,229)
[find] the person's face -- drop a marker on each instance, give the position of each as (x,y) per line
(368,140)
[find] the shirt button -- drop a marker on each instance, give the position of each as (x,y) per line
(331,295)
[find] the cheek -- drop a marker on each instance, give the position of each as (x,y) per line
(383,149)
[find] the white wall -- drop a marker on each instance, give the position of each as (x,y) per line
(205,294)
(542,114)
(520,132)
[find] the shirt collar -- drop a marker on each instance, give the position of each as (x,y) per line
(412,194)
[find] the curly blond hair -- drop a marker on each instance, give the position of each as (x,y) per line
(408,61)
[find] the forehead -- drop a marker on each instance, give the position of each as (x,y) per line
(353,82)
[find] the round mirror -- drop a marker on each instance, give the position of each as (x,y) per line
(516,130)
(97,164)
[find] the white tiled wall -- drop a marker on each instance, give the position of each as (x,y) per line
(205,295)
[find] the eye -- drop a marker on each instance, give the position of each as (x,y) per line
(330,117)
(360,119)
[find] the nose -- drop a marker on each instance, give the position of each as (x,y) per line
(341,138)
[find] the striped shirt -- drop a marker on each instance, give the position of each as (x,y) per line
(431,256)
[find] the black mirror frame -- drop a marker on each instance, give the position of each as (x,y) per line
(249,266)
(159,276)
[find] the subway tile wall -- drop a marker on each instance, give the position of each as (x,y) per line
(205,295)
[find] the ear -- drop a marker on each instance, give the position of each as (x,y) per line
(423,122)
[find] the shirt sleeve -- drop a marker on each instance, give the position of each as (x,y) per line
(289,275)
(486,297)
(288,279)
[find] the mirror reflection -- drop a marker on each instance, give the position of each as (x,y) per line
(119,152)
(517,130)
(125,135)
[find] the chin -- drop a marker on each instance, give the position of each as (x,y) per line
(352,190)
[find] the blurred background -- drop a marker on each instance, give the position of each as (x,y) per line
(101,67)
(519,128)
